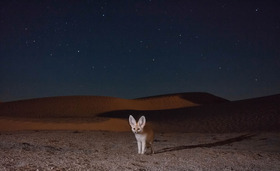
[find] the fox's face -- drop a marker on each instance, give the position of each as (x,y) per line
(137,127)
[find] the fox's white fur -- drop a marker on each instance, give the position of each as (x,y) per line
(143,134)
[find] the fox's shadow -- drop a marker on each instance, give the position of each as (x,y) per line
(208,145)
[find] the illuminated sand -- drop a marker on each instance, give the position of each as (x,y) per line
(99,150)
(12,124)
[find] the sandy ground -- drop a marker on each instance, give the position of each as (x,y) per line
(95,123)
(107,150)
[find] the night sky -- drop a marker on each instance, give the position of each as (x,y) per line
(138,48)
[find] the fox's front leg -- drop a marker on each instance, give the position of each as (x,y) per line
(143,147)
(139,147)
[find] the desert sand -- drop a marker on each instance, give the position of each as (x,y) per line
(106,150)
(194,131)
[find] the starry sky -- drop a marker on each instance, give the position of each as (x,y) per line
(138,48)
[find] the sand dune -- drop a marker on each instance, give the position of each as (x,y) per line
(185,112)
(89,106)
(79,112)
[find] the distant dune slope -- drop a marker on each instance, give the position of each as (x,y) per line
(88,106)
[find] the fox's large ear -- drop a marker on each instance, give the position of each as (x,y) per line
(142,121)
(132,121)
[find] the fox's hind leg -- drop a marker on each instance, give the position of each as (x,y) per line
(152,149)
(150,145)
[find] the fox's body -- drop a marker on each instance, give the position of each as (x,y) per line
(143,134)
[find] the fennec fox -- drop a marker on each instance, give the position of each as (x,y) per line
(143,134)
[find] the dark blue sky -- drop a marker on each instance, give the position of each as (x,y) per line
(138,48)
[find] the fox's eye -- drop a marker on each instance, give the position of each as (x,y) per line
(138,129)
(133,129)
